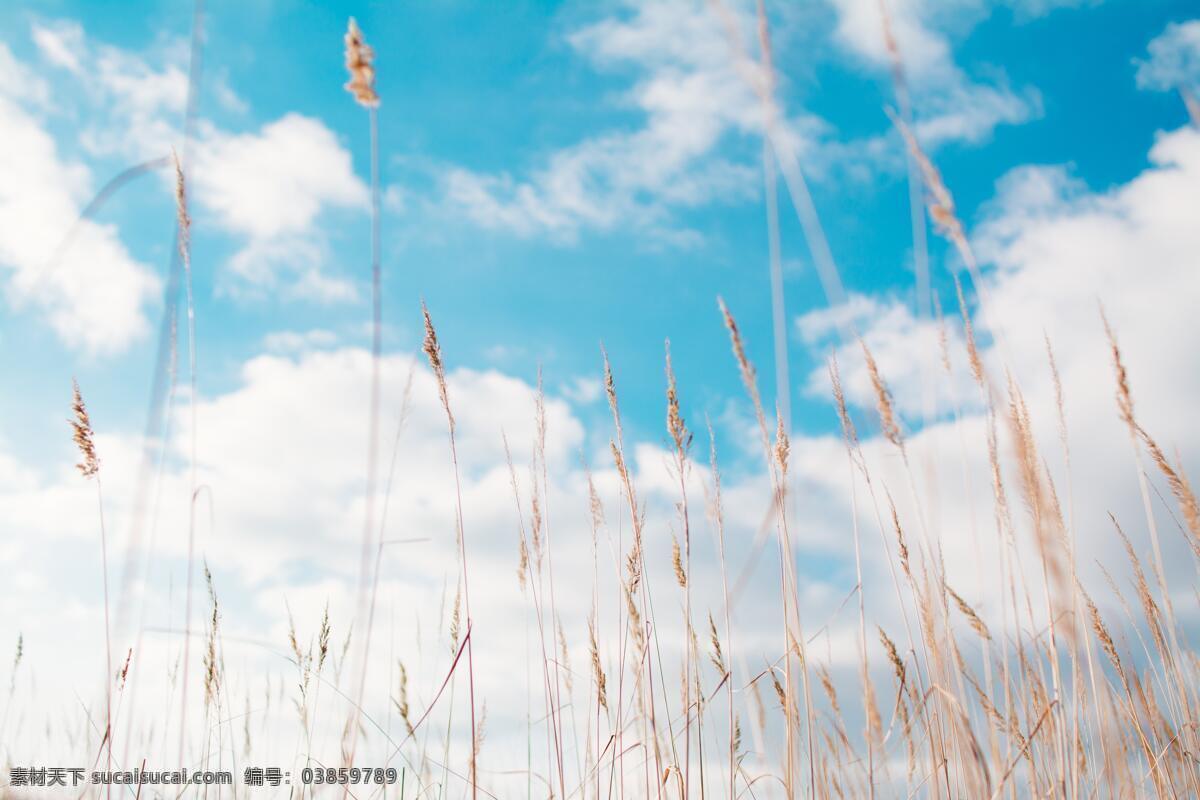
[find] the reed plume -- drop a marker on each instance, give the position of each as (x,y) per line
(883,399)
(1192,105)
(360,63)
(89,467)
(84,437)
(598,675)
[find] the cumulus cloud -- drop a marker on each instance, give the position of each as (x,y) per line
(282,456)
(1057,252)
(268,188)
(695,87)
(298,341)
(61,43)
(276,181)
(282,459)
(693,99)
(93,292)
(904,346)
(949,104)
(1174,58)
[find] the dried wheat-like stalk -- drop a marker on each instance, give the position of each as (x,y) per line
(943,335)
(1124,395)
(17,662)
(1150,609)
(401,702)
(830,692)
(522,562)
(680,435)
(874,721)
(1102,634)
(597,668)
(124,673)
(883,399)
(718,657)
(456,622)
(565,654)
(212,666)
(433,351)
(893,657)
(359,59)
(293,642)
(480,730)
(677,564)
(780,694)
(973,619)
(83,435)
(595,507)
(744,365)
(848,430)
(535,526)
(323,640)
(940,201)
(1176,480)
(782,446)
(901,542)
(89,467)
(969,334)
(1192,104)
(183,219)
(360,63)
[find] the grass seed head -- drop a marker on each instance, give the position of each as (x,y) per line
(360,63)
(181,207)
(81,429)
(677,563)
(883,398)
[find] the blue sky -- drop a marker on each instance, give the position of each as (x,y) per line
(556,177)
(497,91)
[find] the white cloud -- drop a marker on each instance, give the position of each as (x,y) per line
(949,104)
(860,29)
(283,455)
(276,181)
(692,99)
(1174,60)
(61,43)
(696,94)
(906,348)
(134,99)
(1057,251)
(583,390)
(270,188)
(298,341)
(970,112)
(1037,8)
(138,87)
(93,292)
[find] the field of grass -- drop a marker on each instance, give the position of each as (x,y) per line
(1025,677)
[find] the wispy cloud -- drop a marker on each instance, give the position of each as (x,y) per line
(950,105)
(1174,58)
(698,104)
(691,100)
(267,188)
(93,293)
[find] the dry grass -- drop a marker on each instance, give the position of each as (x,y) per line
(991,692)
